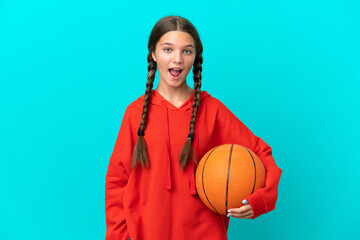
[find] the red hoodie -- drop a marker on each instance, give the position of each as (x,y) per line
(160,202)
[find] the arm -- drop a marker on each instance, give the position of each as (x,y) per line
(116,181)
(231,130)
(263,200)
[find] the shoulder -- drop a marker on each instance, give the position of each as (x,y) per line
(215,106)
(134,107)
(132,112)
(211,101)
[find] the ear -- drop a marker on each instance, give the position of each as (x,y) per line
(153,55)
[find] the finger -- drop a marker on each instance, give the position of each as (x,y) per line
(242,209)
(248,216)
(245,216)
(240,214)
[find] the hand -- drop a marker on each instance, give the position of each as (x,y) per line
(245,212)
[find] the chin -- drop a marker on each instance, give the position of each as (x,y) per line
(176,84)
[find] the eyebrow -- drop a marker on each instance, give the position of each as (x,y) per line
(166,43)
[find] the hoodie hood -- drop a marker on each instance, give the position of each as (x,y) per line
(158,101)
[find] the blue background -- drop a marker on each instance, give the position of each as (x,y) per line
(288,69)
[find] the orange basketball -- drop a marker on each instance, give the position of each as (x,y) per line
(226,175)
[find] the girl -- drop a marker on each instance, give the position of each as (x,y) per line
(150,185)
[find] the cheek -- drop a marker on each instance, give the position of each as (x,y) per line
(163,62)
(190,64)
(193,60)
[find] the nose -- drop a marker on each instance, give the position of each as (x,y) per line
(177,57)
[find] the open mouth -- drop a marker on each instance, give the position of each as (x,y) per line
(175,73)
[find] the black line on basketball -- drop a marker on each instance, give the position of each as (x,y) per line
(254,169)
(202,180)
(227,181)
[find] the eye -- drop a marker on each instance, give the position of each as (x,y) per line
(167,49)
(187,51)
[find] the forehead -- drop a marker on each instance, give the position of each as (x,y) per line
(177,38)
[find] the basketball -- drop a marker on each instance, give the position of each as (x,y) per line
(226,175)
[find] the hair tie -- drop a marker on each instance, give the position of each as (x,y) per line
(191,136)
(140,133)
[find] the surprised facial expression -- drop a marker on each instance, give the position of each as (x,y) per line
(174,56)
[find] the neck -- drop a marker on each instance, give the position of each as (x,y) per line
(175,94)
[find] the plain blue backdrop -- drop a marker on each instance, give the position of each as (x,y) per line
(288,69)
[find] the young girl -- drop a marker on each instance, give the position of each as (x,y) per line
(150,184)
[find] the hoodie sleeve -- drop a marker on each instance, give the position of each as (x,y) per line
(231,130)
(116,181)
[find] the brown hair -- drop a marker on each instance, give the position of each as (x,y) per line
(164,25)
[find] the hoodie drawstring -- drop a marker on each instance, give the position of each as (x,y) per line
(166,123)
(195,146)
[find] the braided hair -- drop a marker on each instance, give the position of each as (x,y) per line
(164,25)
(187,150)
(140,150)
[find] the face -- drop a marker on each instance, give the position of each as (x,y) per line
(174,56)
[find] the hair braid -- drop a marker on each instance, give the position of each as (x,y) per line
(140,150)
(187,150)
